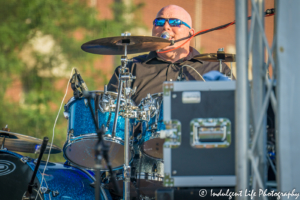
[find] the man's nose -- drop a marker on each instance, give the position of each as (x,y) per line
(167,26)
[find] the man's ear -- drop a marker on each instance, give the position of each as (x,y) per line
(192,32)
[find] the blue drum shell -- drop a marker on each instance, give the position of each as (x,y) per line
(79,148)
(68,181)
(82,123)
(148,134)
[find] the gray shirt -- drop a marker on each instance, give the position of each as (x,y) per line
(151,71)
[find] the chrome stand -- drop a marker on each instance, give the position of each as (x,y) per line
(125,79)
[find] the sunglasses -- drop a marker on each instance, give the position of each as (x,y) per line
(173,22)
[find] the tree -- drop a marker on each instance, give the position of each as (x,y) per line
(39,45)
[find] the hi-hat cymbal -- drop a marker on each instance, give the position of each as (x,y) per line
(212,57)
(115,45)
(24,143)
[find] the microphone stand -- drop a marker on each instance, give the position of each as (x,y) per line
(101,149)
(28,195)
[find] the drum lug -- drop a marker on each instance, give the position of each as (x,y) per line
(45,190)
(86,102)
(66,115)
(24,159)
(55,193)
(70,135)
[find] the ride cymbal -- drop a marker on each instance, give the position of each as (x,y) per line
(24,143)
(116,45)
(212,57)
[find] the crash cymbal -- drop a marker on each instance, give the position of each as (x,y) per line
(115,45)
(24,143)
(212,57)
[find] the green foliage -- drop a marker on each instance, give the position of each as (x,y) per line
(21,23)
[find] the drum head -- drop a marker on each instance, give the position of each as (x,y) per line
(82,153)
(154,148)
(14,177)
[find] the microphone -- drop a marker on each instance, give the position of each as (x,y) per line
(81,81)
(84,87)
(165,35)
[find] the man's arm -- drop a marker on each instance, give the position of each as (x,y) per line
(114,81)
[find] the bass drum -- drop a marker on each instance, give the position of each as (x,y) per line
(60,181)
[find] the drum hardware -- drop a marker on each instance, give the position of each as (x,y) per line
(45,190)
(28,194)
(3,142)
(117,46)
(24,159)
(23,143)
(66,115)
(70,135)
(125,77)
(221,57)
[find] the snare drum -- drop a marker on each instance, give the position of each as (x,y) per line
(60,181)
(82,137)
(150,142)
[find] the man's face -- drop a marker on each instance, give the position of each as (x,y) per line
(175,32)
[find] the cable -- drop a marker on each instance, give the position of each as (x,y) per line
(54,129)
(195,71)
(268,13)
(38,193)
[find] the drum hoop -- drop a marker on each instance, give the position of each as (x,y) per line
(73,99)
(73,164)
(91,136)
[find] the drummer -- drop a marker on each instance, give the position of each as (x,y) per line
(152,69)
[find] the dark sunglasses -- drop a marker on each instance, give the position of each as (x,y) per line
(173,22)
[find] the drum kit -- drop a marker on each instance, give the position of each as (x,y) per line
(137,160)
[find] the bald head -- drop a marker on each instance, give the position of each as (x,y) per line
(175,32)
(173,11)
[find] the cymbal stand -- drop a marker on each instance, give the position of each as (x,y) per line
(125,78)
(221,57)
